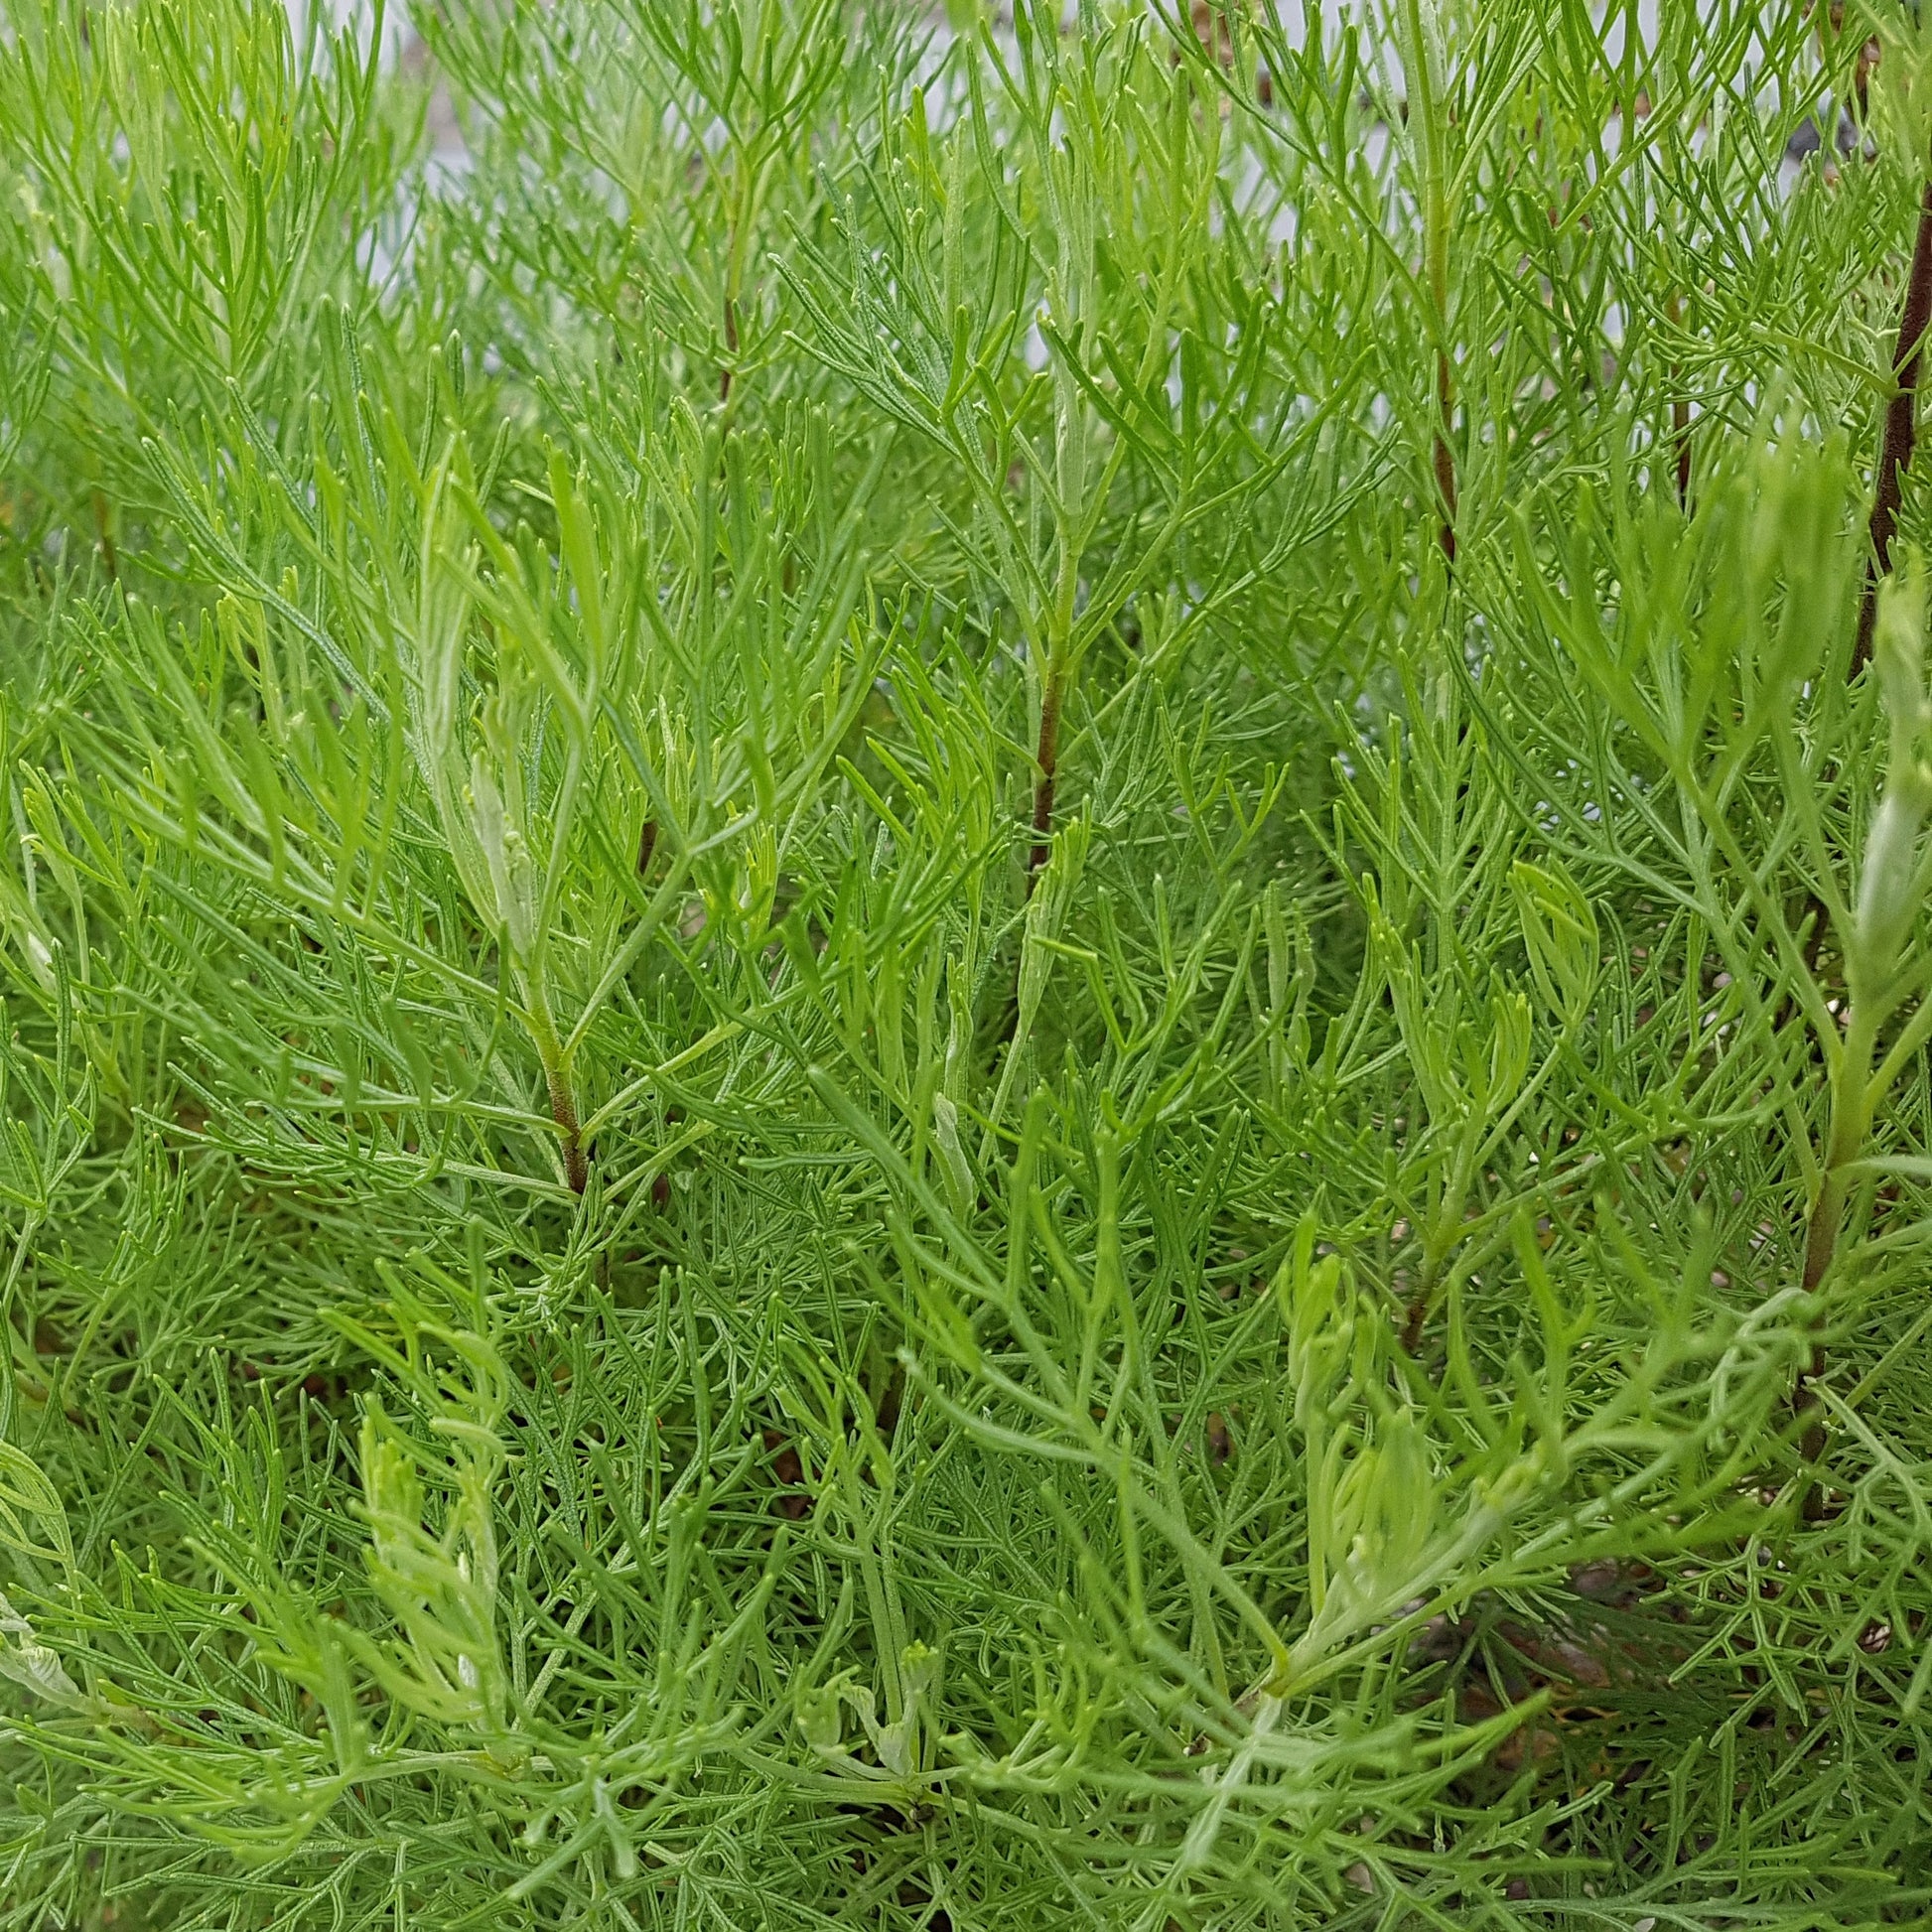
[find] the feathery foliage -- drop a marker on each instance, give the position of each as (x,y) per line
(967,971)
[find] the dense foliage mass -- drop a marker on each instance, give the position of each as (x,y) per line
(963,972)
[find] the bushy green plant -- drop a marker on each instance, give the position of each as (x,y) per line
(964,970)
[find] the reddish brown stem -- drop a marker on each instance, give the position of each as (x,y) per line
(1047,758)
(1416,1315)
(1679,416)
(1901,429)
(1444,458)
(1820,1238)
(563,1110)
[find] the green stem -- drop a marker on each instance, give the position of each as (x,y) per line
(1440,1238)
(1425,84)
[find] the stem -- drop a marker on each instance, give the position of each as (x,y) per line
(1439,1237)
(1900,431)
(563,1103)
(1444,459)
(1421,59)
(731,349)
(1435,246)
(1415,1317)
(104,536)
(1680,415)
(563,1110)
(1047,759)
(1850,1122)
(748,179)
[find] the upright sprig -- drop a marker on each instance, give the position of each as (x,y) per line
(1887,1017)
(188,189)
(1069,202)
(1426,82)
